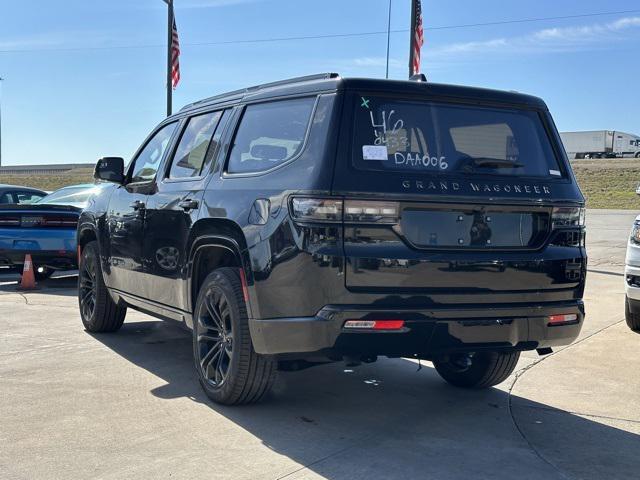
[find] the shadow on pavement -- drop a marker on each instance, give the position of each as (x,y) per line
(391,420)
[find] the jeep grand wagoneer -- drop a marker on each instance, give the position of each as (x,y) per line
(326,218)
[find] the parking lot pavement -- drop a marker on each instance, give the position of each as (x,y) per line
(128,405)
(607,234)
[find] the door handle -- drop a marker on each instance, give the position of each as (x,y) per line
(137,205)
(188,204)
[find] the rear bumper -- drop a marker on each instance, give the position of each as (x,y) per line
(59,260)
(427,332)
(55,248)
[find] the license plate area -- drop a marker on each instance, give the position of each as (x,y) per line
(455,227)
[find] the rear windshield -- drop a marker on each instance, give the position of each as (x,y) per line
(69,195)
(424,137)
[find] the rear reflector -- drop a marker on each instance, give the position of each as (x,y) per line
(563,319)
(374,324)
(245,287)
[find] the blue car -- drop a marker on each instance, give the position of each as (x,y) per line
(18,194)
(45,229)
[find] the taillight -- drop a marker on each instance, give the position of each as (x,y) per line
(7,221)
(351,211)
(316,209)
(374,324)
(52,221)
(562,217)
(59,222)
(363,211)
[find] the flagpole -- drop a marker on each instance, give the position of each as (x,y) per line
(412,33)
(169,44)
(388,38)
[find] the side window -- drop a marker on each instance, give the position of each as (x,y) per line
(147,162)
(270,134)
(6,198)
(27,197)
(195,150)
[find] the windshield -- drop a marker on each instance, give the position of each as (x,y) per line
(424,137)
(69,195)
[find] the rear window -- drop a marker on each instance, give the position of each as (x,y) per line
(425,137)
(69,195)
(27,197)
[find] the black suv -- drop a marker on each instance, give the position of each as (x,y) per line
(325,218)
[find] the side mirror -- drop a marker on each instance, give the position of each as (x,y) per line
(110,169)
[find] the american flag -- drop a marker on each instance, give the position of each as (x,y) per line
(417,38)
(175,52)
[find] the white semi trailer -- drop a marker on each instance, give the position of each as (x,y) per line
(601,144)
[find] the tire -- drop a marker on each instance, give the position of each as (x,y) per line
(229,369)
(486,369)
(98,311)
(637,155)
(632,318)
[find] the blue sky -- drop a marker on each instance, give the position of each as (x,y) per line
(84,79)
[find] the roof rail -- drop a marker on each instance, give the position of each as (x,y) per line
(307,78)
(243,91)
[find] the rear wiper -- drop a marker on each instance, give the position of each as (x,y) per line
(495,162)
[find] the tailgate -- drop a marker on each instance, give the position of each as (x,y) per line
(458,249)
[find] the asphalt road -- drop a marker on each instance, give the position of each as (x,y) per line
(128,405)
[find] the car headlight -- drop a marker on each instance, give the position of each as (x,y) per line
(635,233)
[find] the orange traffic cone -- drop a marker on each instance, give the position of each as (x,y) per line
(28,281)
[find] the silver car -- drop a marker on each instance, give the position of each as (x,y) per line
(632,278)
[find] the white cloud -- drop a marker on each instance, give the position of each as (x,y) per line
(556,39)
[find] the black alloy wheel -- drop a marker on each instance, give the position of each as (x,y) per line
(229,369)
(87,287)
(215,337)
(98,311)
